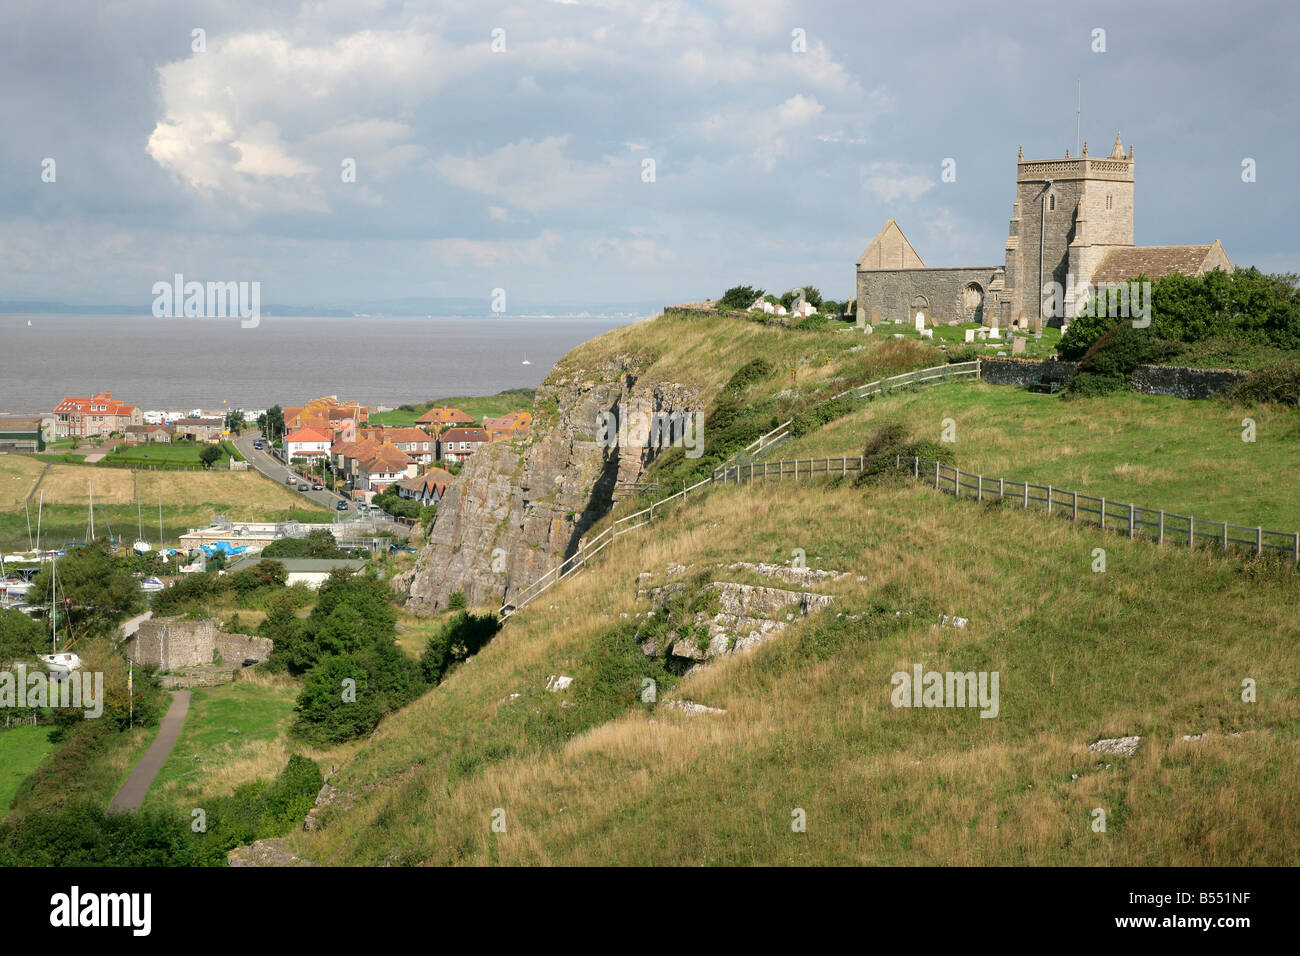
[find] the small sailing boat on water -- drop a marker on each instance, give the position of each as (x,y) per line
(525,361)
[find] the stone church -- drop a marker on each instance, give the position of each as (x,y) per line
(1071,223)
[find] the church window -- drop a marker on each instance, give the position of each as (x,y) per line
(1051,201)
(1107,201)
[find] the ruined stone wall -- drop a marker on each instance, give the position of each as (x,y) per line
(172,643)
(892,291)
(1178,381)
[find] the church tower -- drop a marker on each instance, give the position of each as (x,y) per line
(1068,213)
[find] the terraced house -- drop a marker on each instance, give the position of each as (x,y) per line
(457,444)
(416,442)
(101,414)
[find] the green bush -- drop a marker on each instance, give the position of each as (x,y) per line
(1278,383)
(887,443)
(739,297)
(463,636)
(1107,365)
(962,353)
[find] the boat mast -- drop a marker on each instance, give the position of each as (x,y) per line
(40,506)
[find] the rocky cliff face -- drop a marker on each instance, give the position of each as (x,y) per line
(518,509)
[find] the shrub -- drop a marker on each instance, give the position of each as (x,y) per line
(962,353)
(891,440)
(739,297)
(1106,366)
(462,637)
(1278,383)
(748,374)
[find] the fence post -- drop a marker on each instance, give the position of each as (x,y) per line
(1191,531)
(1295,547)
(1130,521)
(1026,494)
(1160,539)
(1074,502)
(1000,491)
(979,487)
(1103,512)
(1225,537)
(898,461)
(936,476)
(916,466)
(1049,499)
(1259,540)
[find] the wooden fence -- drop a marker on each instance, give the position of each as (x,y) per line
(935,375)
(1128,519)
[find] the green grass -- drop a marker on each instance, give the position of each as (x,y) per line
(1149,450)
(478,406)
(225,724)
(21,750)
(955,335)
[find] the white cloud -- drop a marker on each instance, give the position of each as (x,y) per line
(533,175)
(888,182)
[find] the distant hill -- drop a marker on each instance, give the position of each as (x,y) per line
(479,406)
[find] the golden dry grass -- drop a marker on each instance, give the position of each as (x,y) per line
(1157,646)
(18,474)
(70,484)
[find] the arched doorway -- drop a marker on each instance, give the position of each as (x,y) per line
(972,303)
(920,310)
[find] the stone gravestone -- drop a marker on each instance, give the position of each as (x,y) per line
(1018,346)
(862,318)
(875,315)
(970,335)
(868,329)
(920,321)
(994,333)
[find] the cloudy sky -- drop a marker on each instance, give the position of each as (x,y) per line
(781,135)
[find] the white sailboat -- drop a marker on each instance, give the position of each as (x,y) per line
(141,546)
(525,361)
(58,663)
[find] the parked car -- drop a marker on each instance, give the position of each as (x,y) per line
(257,443)
(302,486)
(342,505)
(317,486)
(291,479)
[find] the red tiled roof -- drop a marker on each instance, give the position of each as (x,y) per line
(308,434)
(443,416)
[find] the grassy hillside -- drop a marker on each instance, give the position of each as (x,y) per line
(1151,450)
(18,474)
(1157,646)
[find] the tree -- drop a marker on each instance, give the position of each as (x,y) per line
(235,420)
(739,297)
(95,591)
(210,455)
(271,422)
(21,638)
(319,543)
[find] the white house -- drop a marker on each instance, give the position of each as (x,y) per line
(307,443)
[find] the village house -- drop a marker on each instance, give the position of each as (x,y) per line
(325,414)
(443,417)
(427,488)
(101,414)
(387,465)
(508,426)
(416,442)
(346,455)
(307,443)
(198,429)
(457,444)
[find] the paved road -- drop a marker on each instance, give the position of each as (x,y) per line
(277,471)
(137,785)
(131,625)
